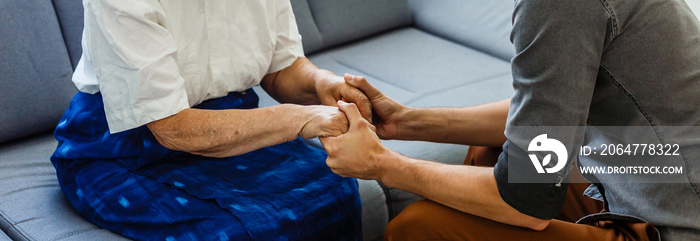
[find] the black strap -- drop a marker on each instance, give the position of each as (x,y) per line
(601,189)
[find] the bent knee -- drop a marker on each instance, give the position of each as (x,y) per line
(413,219)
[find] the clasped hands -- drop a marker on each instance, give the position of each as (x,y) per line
(351,133)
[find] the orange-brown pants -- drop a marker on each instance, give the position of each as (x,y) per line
(427,220)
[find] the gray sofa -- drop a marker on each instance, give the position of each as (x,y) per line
(421,53)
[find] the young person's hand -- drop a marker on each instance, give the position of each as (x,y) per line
(332,88)
(387,113)
(357,153)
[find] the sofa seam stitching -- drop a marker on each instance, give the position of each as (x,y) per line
(388,200)
(18,230)
(76,232)
(63,34)
(372,76)
(456,86)
(318,28)
(446,37)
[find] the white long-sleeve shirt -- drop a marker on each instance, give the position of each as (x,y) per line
(150,59)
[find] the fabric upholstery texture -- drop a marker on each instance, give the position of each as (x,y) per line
(341,21)
(3,237)
(414,61)
(480,24)
(327,23)
(484,91)
(32,206)
(34,68)
(375,213)
(311,36)
(70,18)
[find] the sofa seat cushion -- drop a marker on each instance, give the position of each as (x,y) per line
(3,237)
(32,206)
(411,63)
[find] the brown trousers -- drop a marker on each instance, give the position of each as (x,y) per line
(427,220)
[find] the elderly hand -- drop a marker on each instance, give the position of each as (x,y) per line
(357,153)
(322,121)
(388,114)
(331,88)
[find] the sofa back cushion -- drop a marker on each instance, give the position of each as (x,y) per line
(327,23)
(35,69)
(483,25)
(70,18)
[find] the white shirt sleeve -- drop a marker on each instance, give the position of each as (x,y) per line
(288,47)
(134,62)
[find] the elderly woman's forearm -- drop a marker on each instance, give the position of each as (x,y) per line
(221,133)
(294,84)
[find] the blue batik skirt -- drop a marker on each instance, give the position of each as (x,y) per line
(130,184)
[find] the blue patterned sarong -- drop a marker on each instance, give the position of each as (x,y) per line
(130,184)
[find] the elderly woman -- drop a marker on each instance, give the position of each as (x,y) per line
(164,141)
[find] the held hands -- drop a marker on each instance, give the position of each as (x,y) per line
(388,114)
(350,139)
(322,121)
(331,88)
(357,153)
(327,120)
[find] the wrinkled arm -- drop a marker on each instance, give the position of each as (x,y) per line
(221,133)
(296,83)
